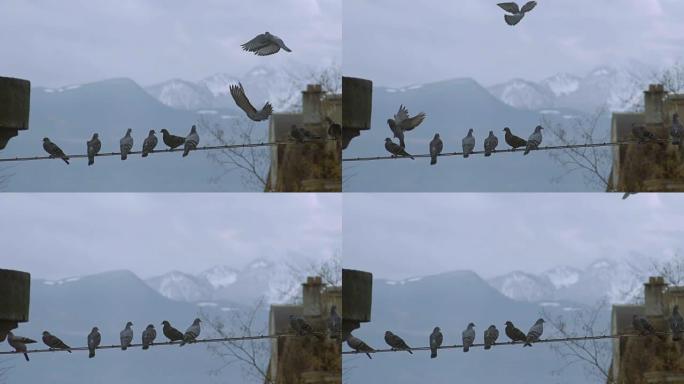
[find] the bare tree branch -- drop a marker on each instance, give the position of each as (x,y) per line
(329,78)
(329,270)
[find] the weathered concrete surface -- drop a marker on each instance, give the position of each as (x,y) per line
(15,103)
(15,295)
(357,299)
(357,106)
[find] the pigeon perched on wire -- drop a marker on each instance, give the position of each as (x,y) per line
(172,141)
(468,337)
(534,333)
(534,140)
(170,332)
(238,93)
(436,147)
(490,144)
(516,13)
(94,146)
(676,324)
(19,343)
(94,339)
(491,334)
(396,342)
(334,323)
(126,144)
(396,149)
(468,143)
(265,44)
(192,333)
(358,345)
(514,333)
(642,134)
(677,130)
(644,327)
(402,122)
(513,140)
(149,143)
(191,141)
(300,134)
(436,339)
(148,336)
(54,151)
(54,342)
(126,336)
(302,327)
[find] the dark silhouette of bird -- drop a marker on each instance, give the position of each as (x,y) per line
(436,146)
(172,141)
(54,151)
(491,334)
(468,337)
(192,333)
(402,122)
(334,323)
(676,324)
(148,336)
(94,146)
(149,143)
(170,332)
(677,130)
(534,333)
(94,339)
(126,336)
(396,342)
(513,140)
(642,134)
(534,140)
(490,144)
(126,144)
(436,339)
(191,141)
(514,333)
(265,44)
(516,13)
(396,149)
(54,342)
(241,100)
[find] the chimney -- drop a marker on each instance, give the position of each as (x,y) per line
(311,104)
(653,102)
(653,295)
(311,292)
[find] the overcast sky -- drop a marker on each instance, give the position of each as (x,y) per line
(63,235)
(403,235)
(401,42)
(56,42)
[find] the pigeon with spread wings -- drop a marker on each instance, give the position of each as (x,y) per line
(238,93)
(402,122)
(265,44)
(516,13)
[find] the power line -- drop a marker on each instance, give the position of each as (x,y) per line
(546,148)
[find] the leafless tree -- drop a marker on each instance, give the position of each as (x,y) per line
(672,270)
(329,270)
(329,78)
(593,355)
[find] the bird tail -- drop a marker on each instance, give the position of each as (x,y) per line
(144,154)
(124,156)
(434,160)
(186,151)
(26,356)
(145,346)
(513,19)
(409,351)
(412,158)
(123,347)
(69,350)
(487,154)
(487,346)
(91,354)
(527,150)
(91,160)
(369,356)
(527,344)
(433,354)
(465,155)
(66,159)
(466,348)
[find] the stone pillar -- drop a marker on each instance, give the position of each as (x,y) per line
(357,106)
(653,104)
(15,103)
(653,296)
(357,299)
(311,104)
(15,296)
(311,296)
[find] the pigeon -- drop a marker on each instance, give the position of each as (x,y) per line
(54,342)
(148,336)
(300,134)
(242,101)
(126,144)
(534,333)
(191,141)
(396,342)
(676,324)
(191,333)
(436,339)
(334,323)
(677,130)
(94,146)
(644,327)
(641,134)
(534,140)
(334,129)
(513,140)
(395,149)
(358,345)
(468,143)
(265,44)
(171,141)
(514,333)
(54,151)
(436,147)
(468,337)
(19,343)
(490,336)
(490,144)
(126,336)
(302,327)
(516,13)
(403,123)
(94,339)
(149,143)
(170,332)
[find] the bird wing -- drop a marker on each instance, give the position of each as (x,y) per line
(256,43)
(510,7)
(265,112)
(268,49)
(401,115)
(528,6)
(413,122)
(513,19)
(238,93)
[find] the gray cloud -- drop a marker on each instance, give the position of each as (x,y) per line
(61,235)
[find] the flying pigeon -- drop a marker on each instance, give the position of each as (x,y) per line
(126,336)
(94,339)
(148,336)
(265,44)
(534,140)
(334,323)
(534,333)
(516,14)
(490,144)
(19,343)
(170,332)
(641,134)
(468,143)
(396,342)
(436,339)
(468,337)
(513,140)
(334,129)
(54,342)
(126,144)
(490,336)
(403,123)
(191,141)
(149,143)
(514,333)
(676,324)
(436,147)
(242,101)
(358,345)
(395,149)
(172,141)
(191,333)
(677,130)
(54,151)
(94,146)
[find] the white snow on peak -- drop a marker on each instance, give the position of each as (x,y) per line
(549,304)
(562,84)
(562,277)
(207,112)
(220,276)
(207,304)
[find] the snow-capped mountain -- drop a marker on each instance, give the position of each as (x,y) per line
(616,282)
